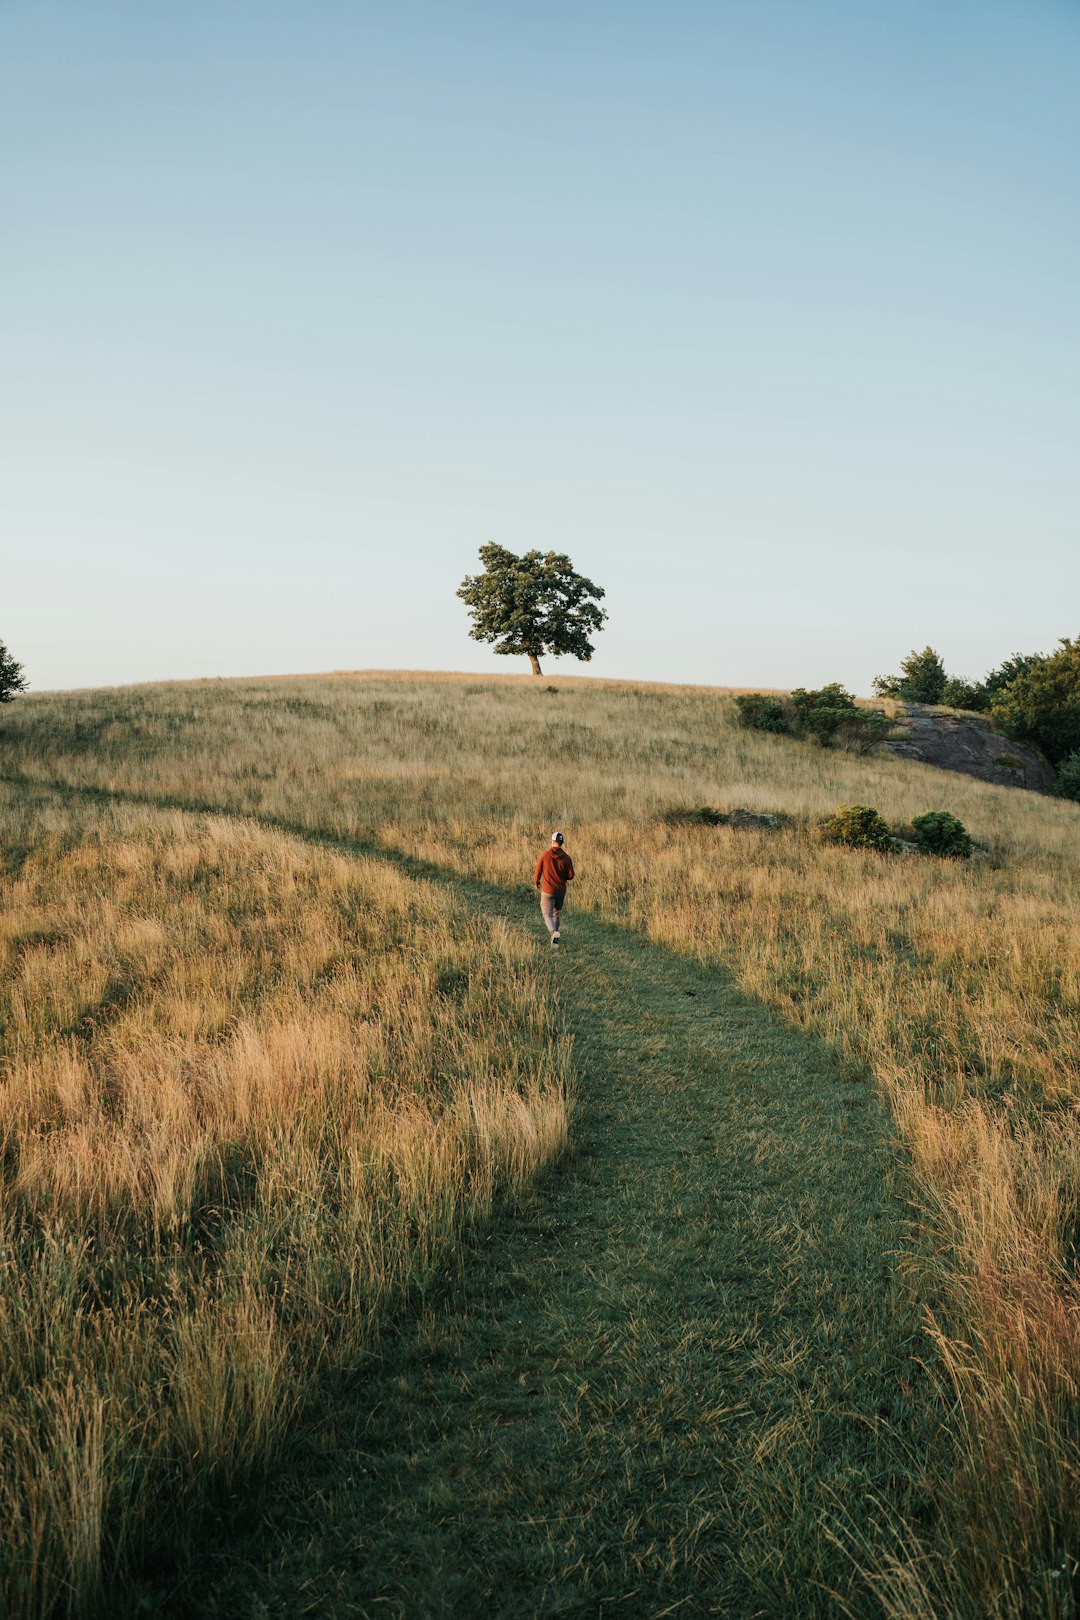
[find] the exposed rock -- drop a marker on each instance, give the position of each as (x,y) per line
(753,818)
(968,744)
(763,820)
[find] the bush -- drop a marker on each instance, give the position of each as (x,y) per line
(940,833)
(859,827)
(821,713)
(832,716)
(961,694)
(829,714)
(760,712)
(1042,703)
(861,731)
(1068,776)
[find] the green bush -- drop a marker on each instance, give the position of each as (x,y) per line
(961,694)
(861,731)
(1042,703)
(940,833)
(1068,776)
(822,712)
(760,712)
(829,714)
(859,827)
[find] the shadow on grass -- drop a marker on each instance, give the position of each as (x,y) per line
(668,1379)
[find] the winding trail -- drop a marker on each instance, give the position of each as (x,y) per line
(662,1383)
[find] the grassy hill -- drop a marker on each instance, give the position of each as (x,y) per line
(279,1025)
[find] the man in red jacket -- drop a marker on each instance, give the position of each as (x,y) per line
(554,870)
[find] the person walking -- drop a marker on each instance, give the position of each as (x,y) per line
(554,870)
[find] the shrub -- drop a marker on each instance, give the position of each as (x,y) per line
(961,694)
(1042,703)
(1068,776)
(822,712)
(832,716)
(859,827)
(940,833)
(829,714)
(861,731)
(760,712)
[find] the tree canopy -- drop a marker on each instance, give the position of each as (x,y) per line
(921,679)
(532,605)
(1041,704)
(11,676)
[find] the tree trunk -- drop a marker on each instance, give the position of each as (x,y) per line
(535,662)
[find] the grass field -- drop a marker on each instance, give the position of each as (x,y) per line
(277,1025)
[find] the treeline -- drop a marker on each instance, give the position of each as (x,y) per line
(923,679)
(1033,697)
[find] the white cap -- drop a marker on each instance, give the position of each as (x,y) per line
(556,838)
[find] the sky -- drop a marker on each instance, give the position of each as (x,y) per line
(765,311)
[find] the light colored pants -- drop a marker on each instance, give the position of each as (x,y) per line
(552,912)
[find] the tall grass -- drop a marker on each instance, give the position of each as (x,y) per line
(250,1093)
(953,987)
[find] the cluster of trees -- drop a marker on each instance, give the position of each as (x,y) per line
(1034,697)
(923,679)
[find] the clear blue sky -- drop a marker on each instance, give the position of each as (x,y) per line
(764,310)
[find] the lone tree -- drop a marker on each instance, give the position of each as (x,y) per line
(11,676)
(532,605)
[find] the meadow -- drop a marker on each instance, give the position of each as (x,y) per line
(265,1062)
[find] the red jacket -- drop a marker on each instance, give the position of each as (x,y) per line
(554,870)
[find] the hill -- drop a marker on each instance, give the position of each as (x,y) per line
(278,1029)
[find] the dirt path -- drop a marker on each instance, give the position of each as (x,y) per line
(655,1386)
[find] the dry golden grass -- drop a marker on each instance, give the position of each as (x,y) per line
(250,1090)
(956,987)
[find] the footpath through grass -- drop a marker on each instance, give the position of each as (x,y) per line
(673,1380)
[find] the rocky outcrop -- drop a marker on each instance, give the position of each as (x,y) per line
(970,745)
(748,820)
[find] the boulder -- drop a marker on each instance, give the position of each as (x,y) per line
(762,820)
(968,744)
(749,819)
